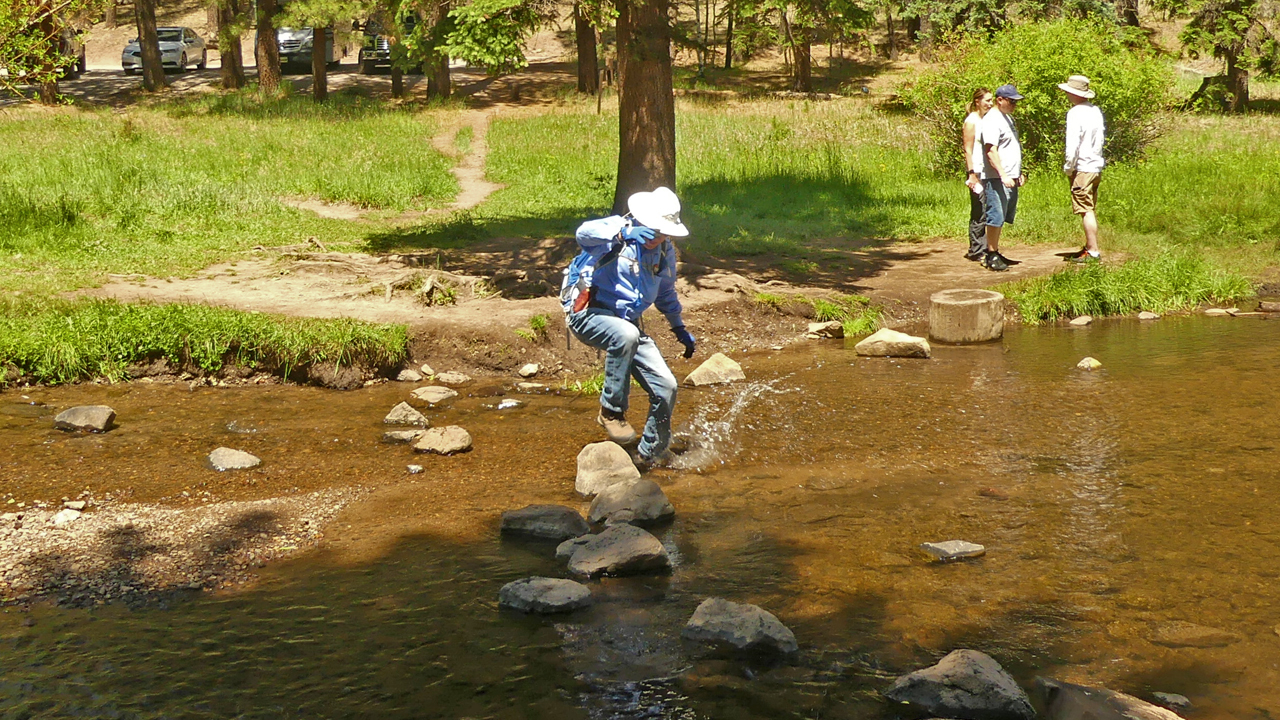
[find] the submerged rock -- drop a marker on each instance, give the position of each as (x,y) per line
(453,378)
(1081,320)
(619,550)
(553,522)
(832,329)
(642,501)
(544,595)
(603,464)
(964,684)
(400,436)
(1064,701)
(891,343)
(717,369)
(445,440)
(1184,634)
(409,375)
(1089,364)
(225,458)
(93,418)
(953,550)
(739,625)
(528,370)
(434,394)
(530,387)
(404,414)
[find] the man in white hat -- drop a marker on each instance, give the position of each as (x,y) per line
(1085,132)
(630,264)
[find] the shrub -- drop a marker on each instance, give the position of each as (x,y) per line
(1133,87)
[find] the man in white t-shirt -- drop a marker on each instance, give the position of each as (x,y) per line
(1086,130)
(1001,172)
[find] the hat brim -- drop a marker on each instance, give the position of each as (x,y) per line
(661,225)
(647,208)
(1011,97)
(1081,93)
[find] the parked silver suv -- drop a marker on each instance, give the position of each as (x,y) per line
(180,47)
(296,44)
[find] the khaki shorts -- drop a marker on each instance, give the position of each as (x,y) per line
(1084,192)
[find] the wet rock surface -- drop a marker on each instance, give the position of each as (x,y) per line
(544,595)
(400,436)
(740,626)
(453,378)
(446,440)
(1089,364)
(434,394)
(1185,634)
(90,418)
(601,465)
(552,522)
(404,414)
(1065,701)
(619,550)
(225,458)
(566,549)
(953,550)
(1172,701)
(1145,315)
(717,370)
(891,343)
(642,502)
(833,329)
(1082,320)
(409,375)
(964,684)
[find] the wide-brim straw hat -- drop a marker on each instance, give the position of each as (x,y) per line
(659,210)
(1077,85)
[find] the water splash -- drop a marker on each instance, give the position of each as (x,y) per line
(710,436)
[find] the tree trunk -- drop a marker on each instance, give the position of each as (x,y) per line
(803,50)
(397,82)
(913,28)
(588,60)
(646,102)
(266,48)
(232,58)
(320,65)
(892,34)
(149,42)
(110,18)
(49,88)
(439,83)
(1128,12)
(211,17)
(728,36)
(1237,85)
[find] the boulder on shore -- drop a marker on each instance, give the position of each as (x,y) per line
(1064,701)
(404,414)
(641,500)
(528,370)
(93,418)
(544,595)
(739,625)
(717,369)
(619,550)
(225,458)
(964,684)
(552,522)
(445,440)
(891,343)
(603,464)
(409,375)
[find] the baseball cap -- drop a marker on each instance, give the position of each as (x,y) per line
(1008,91)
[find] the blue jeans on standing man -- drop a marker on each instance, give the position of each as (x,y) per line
(630,353)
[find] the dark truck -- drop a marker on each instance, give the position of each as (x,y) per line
(376,50)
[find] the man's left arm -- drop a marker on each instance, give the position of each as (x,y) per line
(668,302)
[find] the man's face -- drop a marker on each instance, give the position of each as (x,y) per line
(657,240)
(1006,105)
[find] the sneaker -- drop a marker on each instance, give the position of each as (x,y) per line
(1085,257)
(995,261)
(616,427)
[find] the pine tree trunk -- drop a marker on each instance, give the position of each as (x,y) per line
(149,42)
(110,18)
(646,103)
(232,58)
(588,60)
(893,39)
(803,51)
(728,37)
(1237,84)
(320,65)
(266,49)
(439,83)
(49,89)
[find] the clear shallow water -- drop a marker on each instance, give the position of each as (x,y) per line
(1111,504)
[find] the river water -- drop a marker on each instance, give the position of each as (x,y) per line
(1116,507)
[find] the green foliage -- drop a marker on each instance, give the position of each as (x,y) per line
(1171,280)
(854,312)
(491,33)
(1133,88)
(537,330)
(770,300)
(57,341)
(32,50)
(1233,30)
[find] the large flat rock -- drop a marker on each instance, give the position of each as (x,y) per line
(964,684)
(544,595)
(91,418)
(642,500)
(739,625)
(446,440)
(551,522)
(619,550)
(718,369)
(891,343)
(434,394)
(601,465)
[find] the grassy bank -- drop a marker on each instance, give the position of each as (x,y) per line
(53,341)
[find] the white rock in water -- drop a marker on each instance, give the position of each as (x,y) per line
(445,440)
(544,595)
(953,550)
(74,504)
(404,414)
(227,459)
(434,394)
(414,469)
(427,370)
(64,517)
(528,370)
(601,465)
(530,387)
(1082,320)
(1144,315)
(716,370)
(830,329)
(409,375)
(740,625)
(94,418)
(891,343)
(453,378)
(1088,364)
(509,403)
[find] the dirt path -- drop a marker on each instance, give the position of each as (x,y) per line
(473,187)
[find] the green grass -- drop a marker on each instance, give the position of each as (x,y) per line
(56,341)
(854,312)
(1170,280)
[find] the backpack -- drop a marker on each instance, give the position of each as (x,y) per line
(575,285)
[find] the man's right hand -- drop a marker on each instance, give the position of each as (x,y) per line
(638,233)
(1009,182)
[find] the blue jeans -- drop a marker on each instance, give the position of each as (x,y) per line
(630,353)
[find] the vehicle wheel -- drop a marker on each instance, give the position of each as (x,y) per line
(204,60)
(130,71)
(83,64)
(182,63)
(367,67)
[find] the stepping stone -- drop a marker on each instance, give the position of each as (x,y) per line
(544,595)
(1089,364)
(93,418)
(225,458)
(891,343)
(718,369)
(566,549)
(953,550)
(966,316)
(434,394)
(553,522)
(740,626)
(964,684)
(1081,321)
(400,436)
(833,329)
(642,501)
(619,550)
(446,440)
(404,414)
(528,370)
(1068,701)
(603,464)
(409,375)
(453,378)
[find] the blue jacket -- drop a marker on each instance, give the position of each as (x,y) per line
(638,278)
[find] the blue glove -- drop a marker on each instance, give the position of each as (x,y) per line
(638,233)
(685,338)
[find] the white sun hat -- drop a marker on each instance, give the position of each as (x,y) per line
(1077,85)
(659,210)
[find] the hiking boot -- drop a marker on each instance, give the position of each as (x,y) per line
(995,261)
(616,427)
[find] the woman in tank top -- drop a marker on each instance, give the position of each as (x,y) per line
(982,101)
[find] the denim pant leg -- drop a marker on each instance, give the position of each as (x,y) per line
(619,339)
(977,221)
(655,378)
